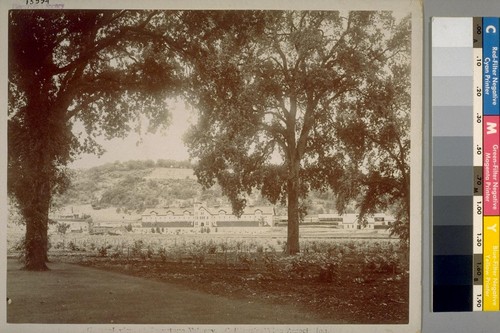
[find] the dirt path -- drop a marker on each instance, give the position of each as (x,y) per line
(74,294)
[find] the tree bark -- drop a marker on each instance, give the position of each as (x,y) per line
(34,199)
(293,185)
(36,241)
(292,245)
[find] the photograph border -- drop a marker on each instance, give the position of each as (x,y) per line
(416,9)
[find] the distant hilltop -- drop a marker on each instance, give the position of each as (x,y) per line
(171,173)
(130,187)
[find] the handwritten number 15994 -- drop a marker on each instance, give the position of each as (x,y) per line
(37,2)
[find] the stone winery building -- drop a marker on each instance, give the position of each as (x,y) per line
(202,216)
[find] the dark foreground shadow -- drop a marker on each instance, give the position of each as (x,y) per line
(81,295)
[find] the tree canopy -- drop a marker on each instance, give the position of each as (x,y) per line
(297,89)
(69,66)
(288,101)
(377,139)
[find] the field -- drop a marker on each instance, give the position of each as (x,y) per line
(342,277)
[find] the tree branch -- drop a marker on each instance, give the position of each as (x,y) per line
(102,44)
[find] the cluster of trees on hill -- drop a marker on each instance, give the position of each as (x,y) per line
(125,186)
(141,165)
(133,193)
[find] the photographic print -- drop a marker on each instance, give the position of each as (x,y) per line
(213,168)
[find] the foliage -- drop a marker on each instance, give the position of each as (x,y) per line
(103,250)
(319,260)
(265,83)
(149,252)
(62,227)
(75,67)
(137,248)
(381,263)
(129,189)
(321,266)
(288,91)
(162,253)
(73,247)
(19,245)
(376,137)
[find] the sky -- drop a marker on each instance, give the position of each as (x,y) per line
(167,145)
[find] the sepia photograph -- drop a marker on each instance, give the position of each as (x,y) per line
(212,168)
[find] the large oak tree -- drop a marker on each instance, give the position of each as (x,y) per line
(287,91)
(98,68)
(106,71)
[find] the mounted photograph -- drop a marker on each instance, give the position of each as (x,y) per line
(212,167)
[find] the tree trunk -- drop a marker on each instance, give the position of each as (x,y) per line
(293,185)
(36,242)
(36,213)
(292,245)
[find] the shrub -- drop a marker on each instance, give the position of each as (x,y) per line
(197,251)
(149,252)
(382,264)
(211,247)
(73,247)
(59,245)
(103,250)
(20,245)
(245,259)
(162,252)
(271,264)
(270,248)
(318,266)
(62,228)
(137,248)
(239,245)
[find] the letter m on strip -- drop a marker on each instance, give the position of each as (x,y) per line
(491,128)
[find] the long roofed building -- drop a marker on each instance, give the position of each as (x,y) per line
(200,215)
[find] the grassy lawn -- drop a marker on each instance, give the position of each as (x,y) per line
(196,279)
(75,294)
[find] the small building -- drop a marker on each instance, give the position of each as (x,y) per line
(348,221)
(108,230)
(377,221)
(77,223)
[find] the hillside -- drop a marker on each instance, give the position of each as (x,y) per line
(171,173)
(132,186)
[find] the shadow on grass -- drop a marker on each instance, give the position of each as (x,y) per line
(70,293)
